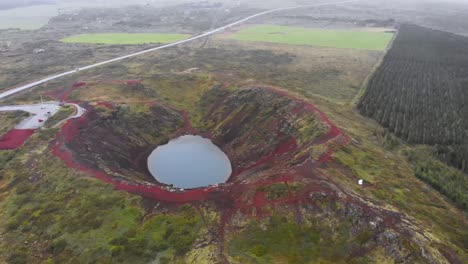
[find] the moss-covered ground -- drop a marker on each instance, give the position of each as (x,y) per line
(64,112)
(9,120)
(56,215)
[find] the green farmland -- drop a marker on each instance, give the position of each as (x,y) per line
(125,38)
(315,37)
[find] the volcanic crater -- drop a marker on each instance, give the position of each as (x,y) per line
(278,146)
(263,130)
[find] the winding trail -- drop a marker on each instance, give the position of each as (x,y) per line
(211,32)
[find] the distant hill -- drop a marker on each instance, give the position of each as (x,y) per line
(9,4)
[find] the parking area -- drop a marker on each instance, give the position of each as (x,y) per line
(39,113)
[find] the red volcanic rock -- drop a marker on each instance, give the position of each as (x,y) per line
(15,138)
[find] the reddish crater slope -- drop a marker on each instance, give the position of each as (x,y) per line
(264,131)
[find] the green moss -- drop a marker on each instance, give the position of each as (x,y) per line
(18,255)
(71,213)
(362,163)
(279,190)
(103,111)
(281,238)
(310,127)
(181,91)
(364,237)
(8,120)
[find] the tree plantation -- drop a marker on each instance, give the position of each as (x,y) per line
(420,92)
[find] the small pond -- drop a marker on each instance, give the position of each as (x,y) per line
(189,162)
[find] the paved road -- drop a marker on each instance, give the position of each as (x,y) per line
(211,32)
(40,112)
(80,111)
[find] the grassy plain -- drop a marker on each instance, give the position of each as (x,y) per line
(315,37)
(125,38)
(32,17)
(109,92)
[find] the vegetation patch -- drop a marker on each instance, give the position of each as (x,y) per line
(280,190)
(8,120)
(125,38)
(116,92)
(86,213)
(281,240)
(315,37)
(64,112)
(392,179)
(447,180)
(362,163)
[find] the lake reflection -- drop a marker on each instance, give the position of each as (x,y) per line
(189,162)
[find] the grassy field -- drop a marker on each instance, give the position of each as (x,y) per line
(32,17)
(125,38)
(315,37)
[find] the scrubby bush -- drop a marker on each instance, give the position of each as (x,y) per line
(19,256)
(448,181)
(279,190)
(281,237)
(57,246)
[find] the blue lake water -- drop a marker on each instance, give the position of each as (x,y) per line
(189,162)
